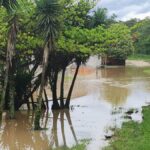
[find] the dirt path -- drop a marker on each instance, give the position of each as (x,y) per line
(138,63)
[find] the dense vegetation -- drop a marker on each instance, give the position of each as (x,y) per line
(140,34)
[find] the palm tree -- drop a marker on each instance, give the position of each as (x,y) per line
(10,5)
(48,12)
(100,17)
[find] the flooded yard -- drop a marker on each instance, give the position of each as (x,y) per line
(101,98)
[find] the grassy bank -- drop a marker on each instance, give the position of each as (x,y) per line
(133,136)
(147,71)
(139,57)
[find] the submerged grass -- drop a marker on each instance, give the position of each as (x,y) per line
(139,57)
(132,135)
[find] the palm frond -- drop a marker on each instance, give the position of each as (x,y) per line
(48,13)
(9,4)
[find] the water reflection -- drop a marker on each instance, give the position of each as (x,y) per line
(115,95)
(18,135)
(113,72)
(62,114)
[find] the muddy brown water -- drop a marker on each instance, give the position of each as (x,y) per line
(101,96)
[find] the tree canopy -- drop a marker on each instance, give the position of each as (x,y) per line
(141,35)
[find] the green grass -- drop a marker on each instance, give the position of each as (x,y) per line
(132,135)
(139,57)
(147,71)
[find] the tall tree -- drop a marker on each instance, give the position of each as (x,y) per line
(76,13)
(131,22)
(100,17)
(10,5)
(141,36)
(48,15)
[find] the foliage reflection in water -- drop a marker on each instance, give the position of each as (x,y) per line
(17,134)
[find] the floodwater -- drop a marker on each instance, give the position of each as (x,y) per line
(101,98)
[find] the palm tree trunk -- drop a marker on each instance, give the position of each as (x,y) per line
(4,88)
(62,88)
(11,97)
(10,68)
(67,104)
(39,106)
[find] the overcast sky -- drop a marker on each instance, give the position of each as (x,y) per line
(127,9)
